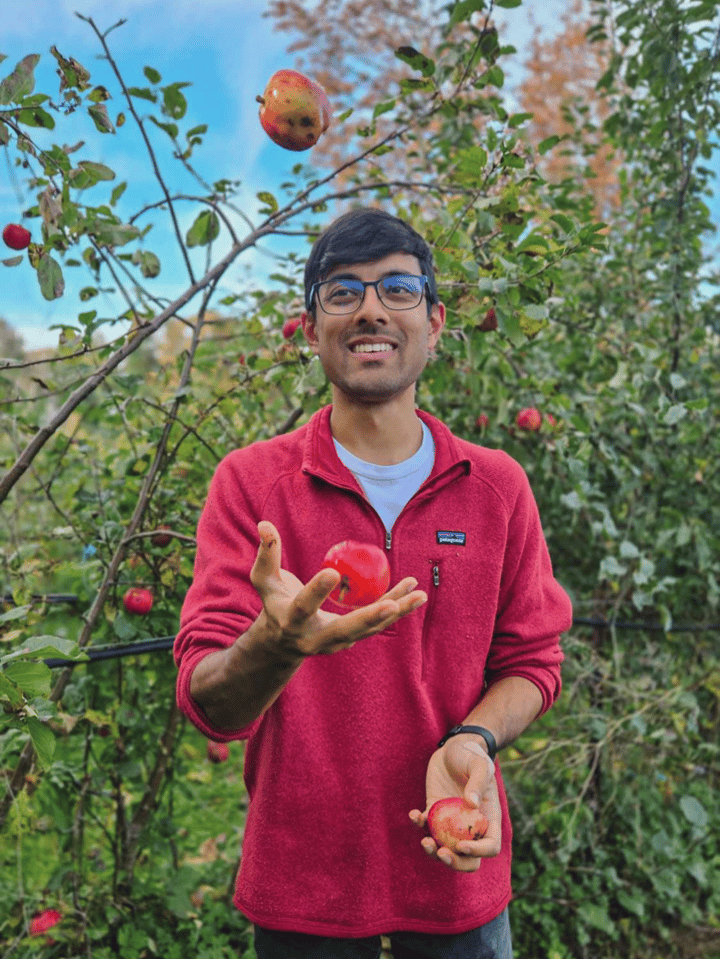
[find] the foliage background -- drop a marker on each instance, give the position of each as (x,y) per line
(585,228)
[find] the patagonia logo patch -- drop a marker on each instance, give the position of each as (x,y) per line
(451,537)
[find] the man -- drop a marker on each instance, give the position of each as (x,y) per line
(346,715)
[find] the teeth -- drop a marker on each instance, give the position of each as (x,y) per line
(372,348)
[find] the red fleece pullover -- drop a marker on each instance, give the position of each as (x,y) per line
(334,766)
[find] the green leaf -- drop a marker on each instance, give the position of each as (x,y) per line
(174,102)
(118,192)
(35,679)
(46,647)
(143,93)
(50,277)
(694,811)
(548,143)
(9,692)
(101,119)
(517,119)
(271,204)
(464,9)
(533,317)
(87,174)
(381,108)
(21,81)
(17,612)
(43,741)
(204,230)
(596,916)
(35,117)
(148,262)
(417,60)
(171,129)
(152,75)
(508,4)
(674,414)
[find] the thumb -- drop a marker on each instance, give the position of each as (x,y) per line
(269,552)
(481,773)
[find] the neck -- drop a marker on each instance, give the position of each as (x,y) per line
(380,433)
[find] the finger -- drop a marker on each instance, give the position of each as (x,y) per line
(311,597)
(480,848)
(269,554)
(418,818)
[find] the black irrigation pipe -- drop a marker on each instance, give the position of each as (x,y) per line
(166,642)
(98,653)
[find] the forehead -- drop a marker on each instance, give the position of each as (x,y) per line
(374,269)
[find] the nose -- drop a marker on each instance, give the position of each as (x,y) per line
(372,307)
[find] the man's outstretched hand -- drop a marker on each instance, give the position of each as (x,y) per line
(292,610)
(462,768)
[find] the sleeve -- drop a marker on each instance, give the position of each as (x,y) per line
(533,608)
(221,602)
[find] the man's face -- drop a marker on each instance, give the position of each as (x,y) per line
(374,377)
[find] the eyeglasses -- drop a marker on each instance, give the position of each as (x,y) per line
(401,291)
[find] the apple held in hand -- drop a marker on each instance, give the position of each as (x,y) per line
(365,573)
(294,111)
(16,236)
(138,601)
(450,821)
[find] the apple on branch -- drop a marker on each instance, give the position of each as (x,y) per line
(16,236)
(294,110)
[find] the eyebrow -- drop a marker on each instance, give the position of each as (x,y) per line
(354,276)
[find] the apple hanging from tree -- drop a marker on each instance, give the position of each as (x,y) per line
(289,328)
(451,821)
(294,110)
(16,236)
(529,419)
(43,921)
(365,573)
(217,752)
(138,601)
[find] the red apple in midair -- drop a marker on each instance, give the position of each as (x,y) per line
(16,236)
(451,820)
(365,573)
(529,419)
(294,110)
(138,601)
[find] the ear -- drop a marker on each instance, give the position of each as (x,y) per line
(310,330)
(437,323)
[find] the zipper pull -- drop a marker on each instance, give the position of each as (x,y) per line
(436,575)
(388,539)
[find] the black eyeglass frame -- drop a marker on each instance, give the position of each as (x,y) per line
(375,283)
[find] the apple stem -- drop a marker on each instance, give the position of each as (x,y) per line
(260,99)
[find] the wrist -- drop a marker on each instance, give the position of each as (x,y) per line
(479,734)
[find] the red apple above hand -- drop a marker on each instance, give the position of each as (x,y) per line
(452,821)
(294,111)
(364,571)
(16,236)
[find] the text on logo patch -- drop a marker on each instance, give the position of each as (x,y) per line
(451,537)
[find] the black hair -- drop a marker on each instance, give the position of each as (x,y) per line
(363,236)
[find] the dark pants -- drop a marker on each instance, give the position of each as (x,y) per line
(491,941)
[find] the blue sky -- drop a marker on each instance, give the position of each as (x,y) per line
(228,50)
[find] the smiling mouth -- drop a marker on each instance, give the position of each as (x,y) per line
(365,348)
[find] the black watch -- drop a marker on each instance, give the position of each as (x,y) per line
(480,730)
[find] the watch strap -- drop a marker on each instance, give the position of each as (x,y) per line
(478,730)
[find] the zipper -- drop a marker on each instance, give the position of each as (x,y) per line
(429,615)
